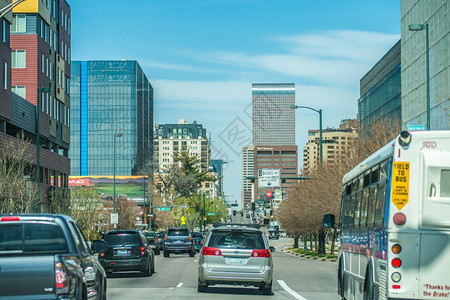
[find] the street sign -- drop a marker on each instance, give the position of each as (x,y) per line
(164,208)
(114,218)
(415,127)
(184,206)
(268,178)
(269,194)
(211,214)
(183,220)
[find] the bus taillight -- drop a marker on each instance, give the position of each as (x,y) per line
(399,219)
(396,262)
(396,248)
(396,277)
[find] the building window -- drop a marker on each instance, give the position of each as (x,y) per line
(19,23)
(4,31)
(19,90)
(18,59)
(5,75)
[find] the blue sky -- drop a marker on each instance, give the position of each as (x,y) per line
(201,57)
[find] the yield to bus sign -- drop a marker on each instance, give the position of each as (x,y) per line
(400,184)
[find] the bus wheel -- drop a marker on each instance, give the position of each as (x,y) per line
(341,285)
(369,293)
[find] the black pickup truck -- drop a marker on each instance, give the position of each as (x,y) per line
(45,256)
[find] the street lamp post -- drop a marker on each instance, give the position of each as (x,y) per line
(320,127)
(114,170)
(419,27)
(40,90)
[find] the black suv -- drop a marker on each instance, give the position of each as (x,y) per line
(128,250)
(153,241)
(178,240)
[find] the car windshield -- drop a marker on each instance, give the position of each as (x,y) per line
(177,232)
(122,238)
(240,240)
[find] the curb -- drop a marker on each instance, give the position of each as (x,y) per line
(308,256)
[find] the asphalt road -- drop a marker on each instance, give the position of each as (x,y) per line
(176,278)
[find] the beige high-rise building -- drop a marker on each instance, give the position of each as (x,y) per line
(334,144)
(171,138)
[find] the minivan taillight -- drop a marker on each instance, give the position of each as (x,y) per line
(9,218)
(261,253)
(211,251)
(142,251)
(61,279)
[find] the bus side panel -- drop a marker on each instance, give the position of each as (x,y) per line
(434,282)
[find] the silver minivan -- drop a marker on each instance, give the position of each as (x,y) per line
(236,254)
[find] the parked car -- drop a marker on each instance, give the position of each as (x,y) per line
(178,240)
(236,255)
(127,250)
(198,243)
(153,241)
(46,256)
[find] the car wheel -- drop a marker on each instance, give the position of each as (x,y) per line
(201,287)
(267,289)
(152,270)
(104,290)
(192,254)
(166,254)
(157,252)
(148,271)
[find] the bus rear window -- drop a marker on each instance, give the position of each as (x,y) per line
(445,183)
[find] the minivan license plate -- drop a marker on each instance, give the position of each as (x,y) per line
(235,261)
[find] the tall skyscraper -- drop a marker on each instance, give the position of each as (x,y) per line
(273,121)
(111,118)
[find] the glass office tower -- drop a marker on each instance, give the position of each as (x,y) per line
(111,118)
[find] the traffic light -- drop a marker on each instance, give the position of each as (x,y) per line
(253,205)
(152,218)
(197,207)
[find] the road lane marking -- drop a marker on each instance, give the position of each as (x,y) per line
(180,284)
(289,290)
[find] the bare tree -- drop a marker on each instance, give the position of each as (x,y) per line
(302,212)
(86,208)
(18,189)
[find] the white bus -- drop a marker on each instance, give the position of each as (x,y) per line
(395,221)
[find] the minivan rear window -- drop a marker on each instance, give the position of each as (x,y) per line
(239,240)
(122,238)
(32,238)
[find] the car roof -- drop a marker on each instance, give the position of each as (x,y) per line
(236,226)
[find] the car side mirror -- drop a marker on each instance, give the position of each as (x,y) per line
(99,246)
(272,249)
(328,221)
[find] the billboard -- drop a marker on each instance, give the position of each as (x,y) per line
(130,187)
